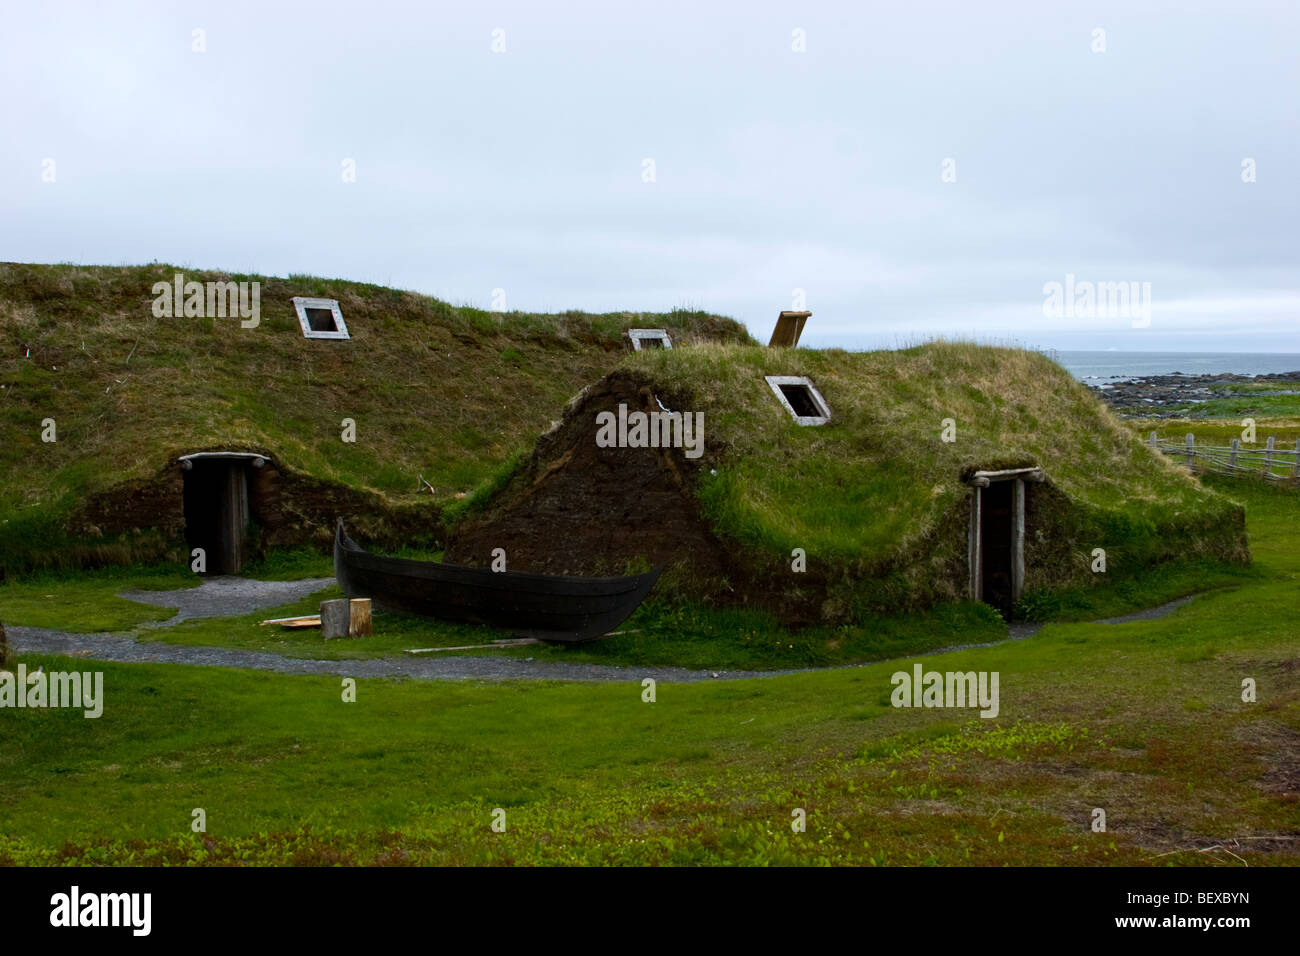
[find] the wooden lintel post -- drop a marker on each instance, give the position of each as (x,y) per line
(974,547)
(1018,541)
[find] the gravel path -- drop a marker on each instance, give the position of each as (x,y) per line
(1150,614)
(1018,632)
(126,649)
(1021,631)
(227,596)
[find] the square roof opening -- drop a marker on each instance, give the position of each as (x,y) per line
(801,399)
(649,339)
(320,318)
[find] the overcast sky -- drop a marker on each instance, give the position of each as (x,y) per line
(774,170)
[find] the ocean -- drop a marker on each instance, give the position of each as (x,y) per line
(1102,367)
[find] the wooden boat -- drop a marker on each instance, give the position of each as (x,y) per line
(569,610)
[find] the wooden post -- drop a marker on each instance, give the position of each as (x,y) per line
(1155,442)
(334,618)
(1295,471)
(976,582)
(360,622)
(1232,454)
(1268,457)
(1191,451)
(1018,541)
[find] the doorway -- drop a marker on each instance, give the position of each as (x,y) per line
(216,505)
(997,535)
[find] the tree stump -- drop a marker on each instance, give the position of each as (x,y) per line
(360,621)
(334,618)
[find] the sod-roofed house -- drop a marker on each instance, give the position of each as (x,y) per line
(150,410)
(820,484)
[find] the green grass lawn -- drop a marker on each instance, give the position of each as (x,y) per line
(87,602)
(663,633)
(1143,720)
(1210,431)
(1257,399)
(660,633)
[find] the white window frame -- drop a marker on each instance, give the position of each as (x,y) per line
(640,335)
(776,381)
(303,303)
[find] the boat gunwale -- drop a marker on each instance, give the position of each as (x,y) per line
(559,584)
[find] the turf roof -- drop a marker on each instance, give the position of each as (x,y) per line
(878,479)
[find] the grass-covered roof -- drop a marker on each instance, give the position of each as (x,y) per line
(879,476)
(436,390)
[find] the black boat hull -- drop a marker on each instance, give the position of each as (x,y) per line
(569,610)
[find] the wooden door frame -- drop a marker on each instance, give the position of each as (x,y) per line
(975,545)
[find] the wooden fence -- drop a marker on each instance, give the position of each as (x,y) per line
(1268,463)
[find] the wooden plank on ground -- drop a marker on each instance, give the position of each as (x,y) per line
(303,620)
(517,642)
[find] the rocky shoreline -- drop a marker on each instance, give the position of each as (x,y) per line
(1154,395)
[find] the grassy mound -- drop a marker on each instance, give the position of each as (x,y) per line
(875,498)
(435,390)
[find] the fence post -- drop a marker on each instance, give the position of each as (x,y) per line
(1268,457)
(1154,442)
(1232,455)
(1295,472)
(1191,451)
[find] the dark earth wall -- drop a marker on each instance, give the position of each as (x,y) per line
(576,508)
(288,510)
